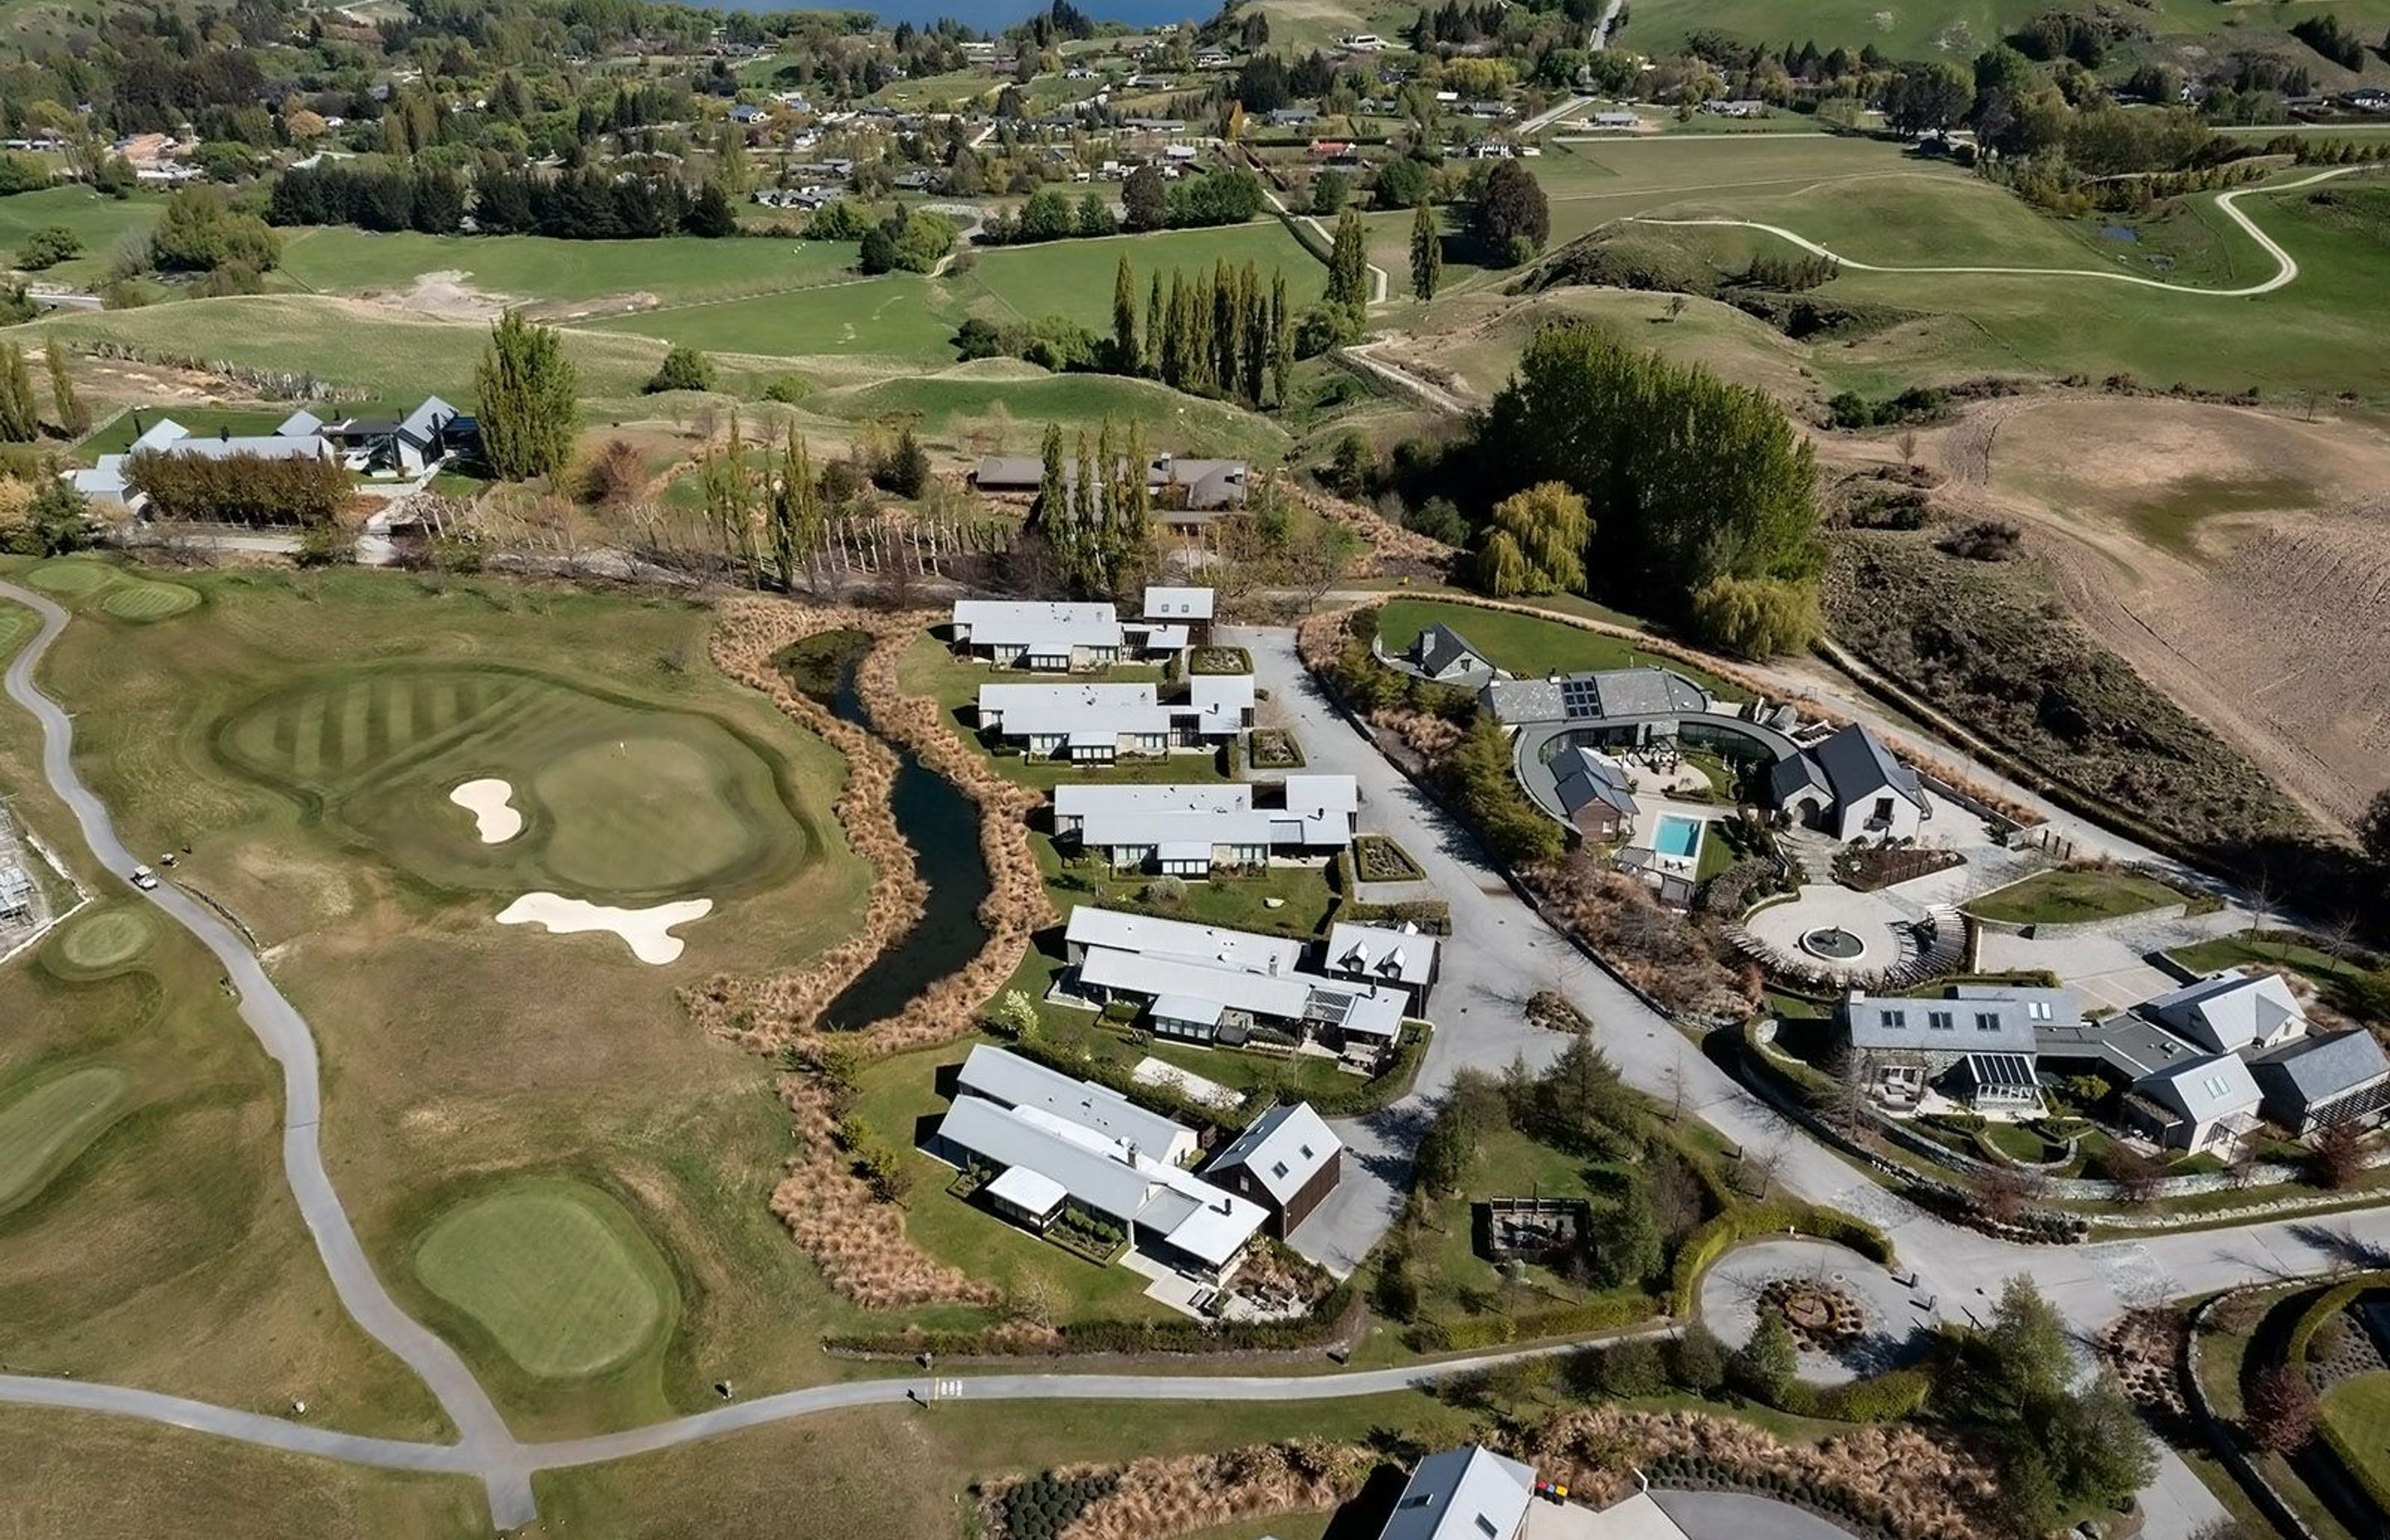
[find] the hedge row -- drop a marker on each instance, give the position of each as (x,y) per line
(1328,1321)
(2331,1302)
(1470,1333)
(1705,1246)
(1886,1397)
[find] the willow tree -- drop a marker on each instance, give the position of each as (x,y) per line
(529,397)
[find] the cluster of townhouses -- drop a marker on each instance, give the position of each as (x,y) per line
(1207,985)
(1050,1145)
(2202,1066)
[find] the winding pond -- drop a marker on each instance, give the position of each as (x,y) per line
(941,822)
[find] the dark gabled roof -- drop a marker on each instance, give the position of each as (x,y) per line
(2310,1070)
(1788,778)
(1858,765)
(1440,647)
(1584,777)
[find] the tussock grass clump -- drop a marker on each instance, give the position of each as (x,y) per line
(1152,1499)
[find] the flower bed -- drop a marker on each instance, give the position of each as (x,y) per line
(1219,660)
(1275,748)
(1379,859)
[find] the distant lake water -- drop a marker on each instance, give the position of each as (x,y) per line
(996,15)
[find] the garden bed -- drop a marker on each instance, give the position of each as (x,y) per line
(1219,660)
(1275,748)
(1869,868)
(1379,859)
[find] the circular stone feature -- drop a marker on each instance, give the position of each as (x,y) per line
(1834,943)
(556,1272)
(150,601)
(105,941)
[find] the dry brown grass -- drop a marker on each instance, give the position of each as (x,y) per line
(1898,1478)
(1389,541)
(1157,1497)
(857,1238)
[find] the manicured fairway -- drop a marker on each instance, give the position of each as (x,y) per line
(555,1272)
(619,802)
(103,941)
(143,600)
(44,1127)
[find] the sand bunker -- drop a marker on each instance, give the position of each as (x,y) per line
(492,804)
(647,932)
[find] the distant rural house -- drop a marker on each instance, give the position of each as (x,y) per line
(405,446)
(299,436)
(1288,1161)
(1176,484)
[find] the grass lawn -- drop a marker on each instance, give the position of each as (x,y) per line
(1240,902)
(556,1274)
(2224,1368)
(1005,404)
(1073,278)
(2357,1410)
(2068,897)
(112,1478)
(903,318)
(299,734)
(1527,646)
(535,269)
(100,221)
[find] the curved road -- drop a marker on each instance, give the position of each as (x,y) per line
(1500,951)
(486,1443)
(2286,269)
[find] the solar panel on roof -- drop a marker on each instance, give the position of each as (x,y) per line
(1329,1008)
(1580,698)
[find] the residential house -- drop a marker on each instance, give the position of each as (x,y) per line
(2231,1012)
(1745,106)
(1444,655)
(1465,1494)
(1177,618)
(1192,830)
(1053,637)
(1206,983)
(1044,1164)
(404,447)
(1399,957)
(1594,790)
(2205,1104)
(1614,119)
(2310,1084)
(298,437)
(1091,723)
(1287,1160)
(1010,1080)
(1851,786)
(1975,1042)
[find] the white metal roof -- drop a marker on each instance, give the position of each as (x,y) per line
(2230,1011)
(1034,710)
(1392,954)
(1027,1188)
(1080,800)
(2202,1089)
(1284,1147)
(1003,623)
(1017,1081)
(1144,934)
(1465,1494)
(1177,604)
(1221,694)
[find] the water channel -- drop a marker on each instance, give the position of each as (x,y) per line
(943,826)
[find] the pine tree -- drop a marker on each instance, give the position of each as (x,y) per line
(1125,357)
(1427,254)
(74,416)
(530,400)
(1348,263)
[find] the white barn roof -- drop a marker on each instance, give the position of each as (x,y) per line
(1181,939)
(1284,1147)
(1465,1494)
(1390,955)
(1018,1082)
(1177,604)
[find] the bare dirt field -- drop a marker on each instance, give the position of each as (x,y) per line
(2238,559)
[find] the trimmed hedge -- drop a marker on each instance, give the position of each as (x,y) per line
(1468,1333)
(1705,1246)
(2354,1465)
(2331,1302)
(1886,1397)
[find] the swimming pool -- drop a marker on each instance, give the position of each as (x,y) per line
(1679,837)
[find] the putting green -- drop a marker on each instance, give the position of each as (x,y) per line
(102,941)
(72,576)
(561,1278)
(621,802)
(45,1127)
(143,600)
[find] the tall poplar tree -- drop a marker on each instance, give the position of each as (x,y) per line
(1281,325)
(1124,351)
(1427,253)
(1348,263)
(1151,361)
(20,420)
(74,416)
(794,510)
(529,397)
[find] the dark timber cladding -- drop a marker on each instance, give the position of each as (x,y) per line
(1288,1161)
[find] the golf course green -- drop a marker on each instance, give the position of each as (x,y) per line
(45,1126)
(72,576)
(102,940)
(620,801)
(143,600)
(555,1272)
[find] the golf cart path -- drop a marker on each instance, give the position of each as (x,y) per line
(485,1440)
(2286,270)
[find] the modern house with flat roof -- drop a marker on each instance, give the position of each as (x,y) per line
(1055,637)
(1206,983)
(1287,1161)
(1177,617)
(1465,1494)
(1010,1080)
(1390,956)
(1195,829)
(1043,1164)
(1975,1043)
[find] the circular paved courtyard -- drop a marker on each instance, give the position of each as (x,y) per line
(1870,923)
(1891,1327)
